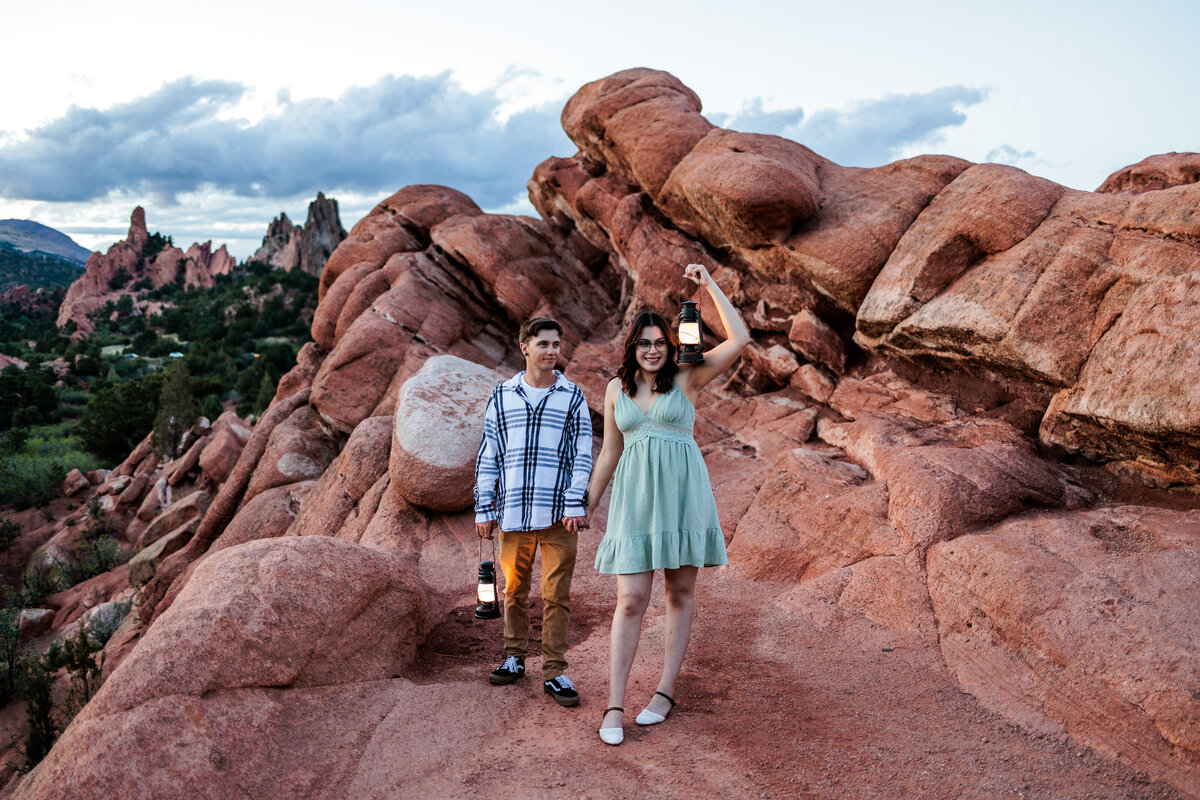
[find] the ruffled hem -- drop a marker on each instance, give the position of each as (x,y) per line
(623,555)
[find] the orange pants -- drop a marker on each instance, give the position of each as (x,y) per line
(517,551)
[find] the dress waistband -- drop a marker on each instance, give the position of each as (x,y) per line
(650,428)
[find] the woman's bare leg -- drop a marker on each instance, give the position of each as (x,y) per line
(681,606)
(633,595)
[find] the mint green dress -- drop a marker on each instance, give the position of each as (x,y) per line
(662,513)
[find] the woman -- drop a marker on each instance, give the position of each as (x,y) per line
(662,514)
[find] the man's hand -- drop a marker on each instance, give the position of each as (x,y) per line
(485,529)
(575,524)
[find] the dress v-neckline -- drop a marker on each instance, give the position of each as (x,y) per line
(646,413)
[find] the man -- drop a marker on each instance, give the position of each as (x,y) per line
(531,478)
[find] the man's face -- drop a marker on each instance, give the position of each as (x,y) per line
(541,352)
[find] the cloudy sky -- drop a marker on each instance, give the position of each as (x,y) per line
(217,116)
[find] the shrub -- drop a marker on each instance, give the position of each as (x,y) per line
(11,663)
(91,557)
(39,579)
(37,687)
(101,629)
(83,669)
(30,480)
(119,279)
(9,531)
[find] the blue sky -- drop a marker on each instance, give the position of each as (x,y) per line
(217,117)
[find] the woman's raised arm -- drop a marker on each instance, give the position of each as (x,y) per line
(721,357)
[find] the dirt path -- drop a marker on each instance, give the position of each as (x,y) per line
(775,700)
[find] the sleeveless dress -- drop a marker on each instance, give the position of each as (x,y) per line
(662,513)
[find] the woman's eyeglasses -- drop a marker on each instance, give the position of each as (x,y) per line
(644,345)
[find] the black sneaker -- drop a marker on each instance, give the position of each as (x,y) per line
(512,668)
(562,690)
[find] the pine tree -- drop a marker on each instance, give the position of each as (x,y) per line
(177,411)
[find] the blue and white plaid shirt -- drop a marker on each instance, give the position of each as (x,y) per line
(534,461)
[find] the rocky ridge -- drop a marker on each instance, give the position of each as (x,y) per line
(306,247)
(964,432)
(107,275)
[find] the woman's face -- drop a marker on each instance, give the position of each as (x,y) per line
(651,349)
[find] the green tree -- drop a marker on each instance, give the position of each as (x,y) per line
(11,662)
(177,410)
(37,687)
(119,415)
(266,393)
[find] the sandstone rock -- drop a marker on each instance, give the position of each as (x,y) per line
(127,467)
(309,617)
(816,341)
(97,476)
(231,495)
(71,603)
(641,122)
(128,257)
(812,515)
(1153,173)
(1070,621)
(398,224)
(158,498)
(74,483)
(306,247)
(220,454)
(33,622)
(298,449)
(116,485)
(134,491)
(987,209)
(743,189)
(814,383)
(351,474)
(186,508)
(266,516)
(1151,348)
(438,425)
(143,565)
(177,470)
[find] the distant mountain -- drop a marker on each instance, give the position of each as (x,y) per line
(26,235)
(35,269)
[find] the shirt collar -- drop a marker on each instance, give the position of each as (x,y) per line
(515,382)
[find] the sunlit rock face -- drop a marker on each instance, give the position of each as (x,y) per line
(968,417)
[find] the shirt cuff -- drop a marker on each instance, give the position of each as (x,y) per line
(485,516)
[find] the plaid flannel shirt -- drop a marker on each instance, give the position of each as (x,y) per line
(534,462)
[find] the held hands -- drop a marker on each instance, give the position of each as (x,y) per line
(575,524)
(698,274)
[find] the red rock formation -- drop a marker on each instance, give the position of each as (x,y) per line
(944,329)
(126,263)
(306,247)
(1153,173)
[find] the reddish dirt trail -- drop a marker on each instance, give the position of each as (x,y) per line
(777,699)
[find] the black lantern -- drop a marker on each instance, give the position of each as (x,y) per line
(486,606)
(690,338)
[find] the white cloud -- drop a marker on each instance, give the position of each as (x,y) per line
(867,133)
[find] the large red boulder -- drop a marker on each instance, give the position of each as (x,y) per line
(276,651)
(1073,621)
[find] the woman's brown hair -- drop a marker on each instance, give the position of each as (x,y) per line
(664,379)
